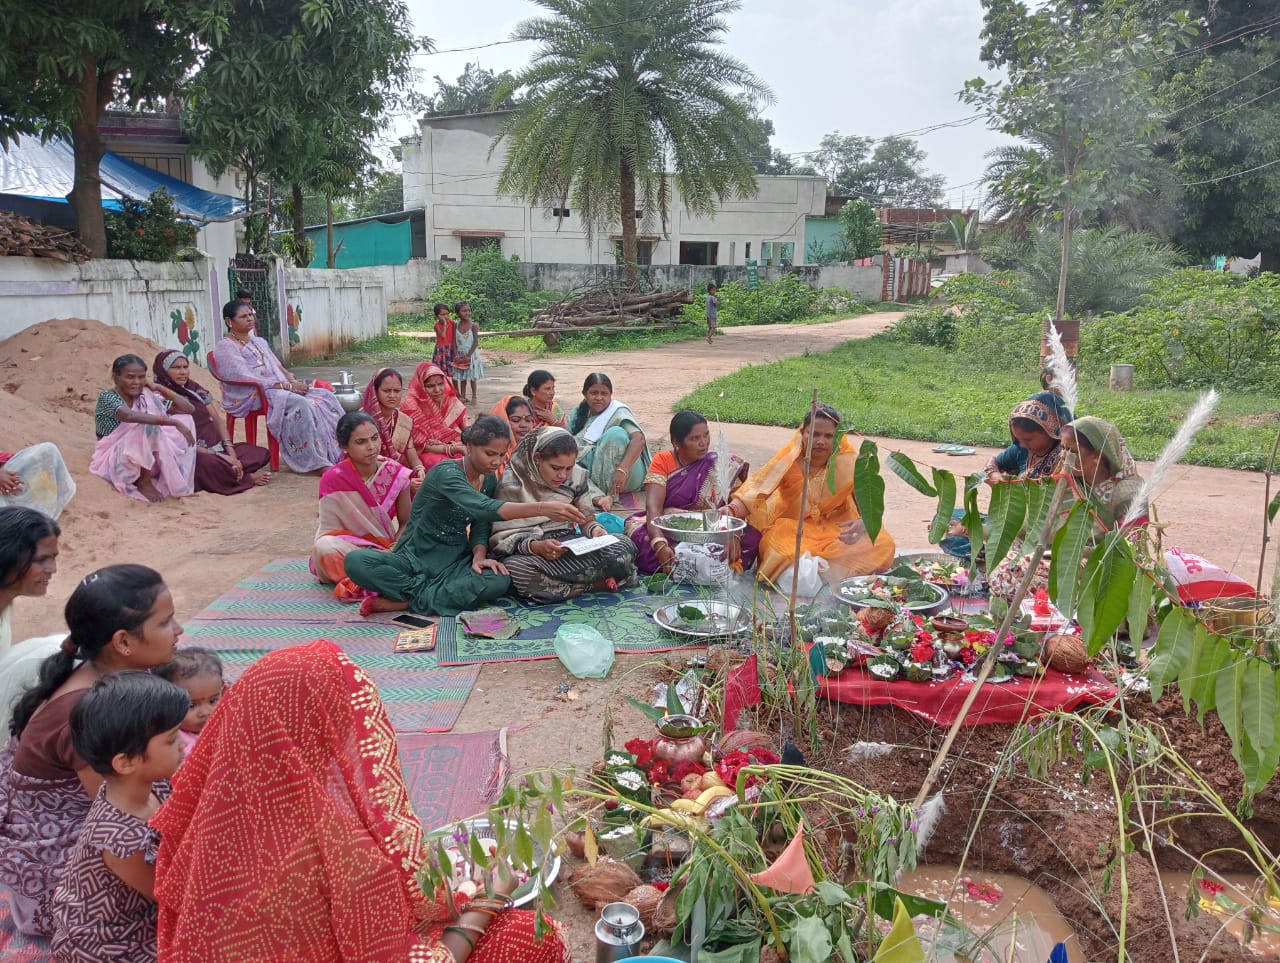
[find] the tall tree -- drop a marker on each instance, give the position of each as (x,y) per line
(474,90)
(624,98)
(756,138)
(298,89)
(61,64)
(886,172)
(1079,92)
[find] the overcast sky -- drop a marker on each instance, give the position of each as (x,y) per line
(867,67)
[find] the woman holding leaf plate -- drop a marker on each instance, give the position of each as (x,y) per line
(769,500)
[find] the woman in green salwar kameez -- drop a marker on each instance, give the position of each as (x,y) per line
(440,562)
(611,443)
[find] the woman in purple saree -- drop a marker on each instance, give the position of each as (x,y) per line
(684,479)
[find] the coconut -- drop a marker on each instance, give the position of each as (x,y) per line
(608,881)
(664,914)
(645,899)
(1066,653)
(744,739)
(876,619)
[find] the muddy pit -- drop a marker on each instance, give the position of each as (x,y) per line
(1059,835)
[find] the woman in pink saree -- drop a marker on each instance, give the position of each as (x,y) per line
(301,417)
(364,501)
(145,449)
(438,415)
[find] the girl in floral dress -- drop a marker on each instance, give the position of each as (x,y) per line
(126,729)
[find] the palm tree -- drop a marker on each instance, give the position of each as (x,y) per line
(624,98)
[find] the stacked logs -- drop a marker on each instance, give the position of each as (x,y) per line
(611,306)
(22,237)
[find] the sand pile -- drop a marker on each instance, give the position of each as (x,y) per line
(50,376)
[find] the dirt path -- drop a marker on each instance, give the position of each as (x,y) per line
(206,543)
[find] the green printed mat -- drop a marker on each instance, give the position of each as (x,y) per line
(625,617)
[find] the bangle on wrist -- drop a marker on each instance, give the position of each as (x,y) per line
(463,933)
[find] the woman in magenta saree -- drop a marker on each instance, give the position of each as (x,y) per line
(684,479)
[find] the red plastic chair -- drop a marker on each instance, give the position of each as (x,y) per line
(251,419)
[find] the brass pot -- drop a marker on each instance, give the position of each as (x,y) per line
(675,743)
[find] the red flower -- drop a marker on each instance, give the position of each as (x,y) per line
(922,652)
(924,637)
(1041,604)
(1211,888)
(642,749)
(968,655)
(727,768)
(660,886)
(918,619)
(658,774)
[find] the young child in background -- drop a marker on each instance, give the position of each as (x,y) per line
(442,356)
(126,729)
(713,311)
(199,672)
(468,369)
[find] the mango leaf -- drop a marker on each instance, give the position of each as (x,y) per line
(1274,507)
(906,469)
(831,462)
(972,513)
(524,847)
(1110,594)
(809,941)
(1258,704)
(1268,759)
(945,483)
(1064,568)
(1139,608)
(1230,683)
(1172,650)
(1190,683)
(868,488)
(1217,653)
(901,945)
(885,898)
(674,706)
(1039,496)
(652,713)
(1004,519)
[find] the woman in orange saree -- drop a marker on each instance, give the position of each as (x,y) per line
(438,415)
(770,502)
(289,835)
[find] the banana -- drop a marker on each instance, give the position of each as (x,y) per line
(708,796)
(675,820)
(687,806)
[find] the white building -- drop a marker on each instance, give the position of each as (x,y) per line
(448,171)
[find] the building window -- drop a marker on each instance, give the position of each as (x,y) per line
(644,252)
(747,255)
(559,212)
(699,252)
(474,243)
(639,215)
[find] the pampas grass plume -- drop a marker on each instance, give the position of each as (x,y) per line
(860,751)
(1173,453)
(1060,368)
(930,815)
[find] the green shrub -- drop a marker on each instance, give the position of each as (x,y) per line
(1195,328)
(149,231)
(499,295)
(937,326)
(782,301)
(989,317)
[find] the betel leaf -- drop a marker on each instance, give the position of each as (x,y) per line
(1068,549)
(906,469)
(868,488)
(1172,650)
(690,613)
(809,941)
(1004,518)
(945,483)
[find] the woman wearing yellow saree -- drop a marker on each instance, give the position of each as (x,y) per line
(770,502)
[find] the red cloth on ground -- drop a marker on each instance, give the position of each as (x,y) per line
(940,702)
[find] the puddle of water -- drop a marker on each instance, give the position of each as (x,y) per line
(1017,921)
(1231,905)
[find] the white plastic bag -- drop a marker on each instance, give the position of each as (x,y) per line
(808,575)
(583,650)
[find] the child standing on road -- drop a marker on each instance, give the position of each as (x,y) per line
(198,672)
(442,357)
(713,311)
(468,369)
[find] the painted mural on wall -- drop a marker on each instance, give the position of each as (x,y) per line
(183,324)
(293,320)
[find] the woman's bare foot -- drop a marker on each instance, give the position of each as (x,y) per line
(260,477)
(147,487)
(605,585)
(376,603)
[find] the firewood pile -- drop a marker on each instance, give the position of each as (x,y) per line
(22,237)
(611,305)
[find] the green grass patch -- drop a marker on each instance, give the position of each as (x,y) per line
(897,390)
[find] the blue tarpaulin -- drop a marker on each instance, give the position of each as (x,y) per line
(45,171)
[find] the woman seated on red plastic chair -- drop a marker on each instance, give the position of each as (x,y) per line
(301,416)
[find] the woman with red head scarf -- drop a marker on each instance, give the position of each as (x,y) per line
(438,415)
(289,835)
